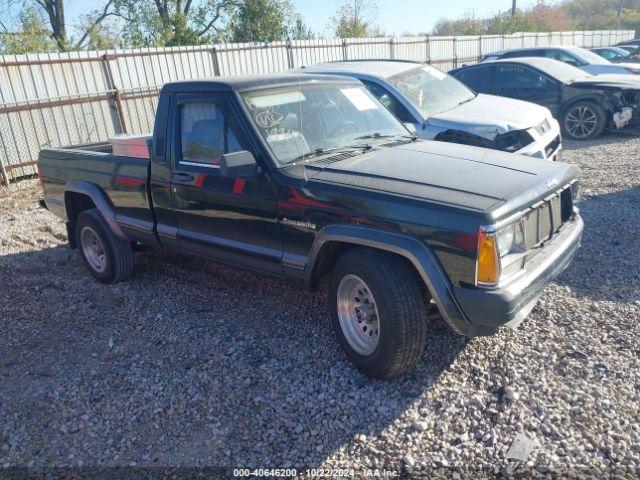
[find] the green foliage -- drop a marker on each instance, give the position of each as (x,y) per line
(354,19)
(546,17)
(261,21)
(299,30)
(32,35)
(173,22)
(602,14)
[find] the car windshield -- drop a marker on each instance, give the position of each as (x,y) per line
(302,122)
(590,57)
(564,72)
(430,90)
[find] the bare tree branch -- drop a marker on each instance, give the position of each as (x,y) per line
(105,13)
(216,16)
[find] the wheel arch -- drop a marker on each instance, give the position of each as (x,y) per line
(333,240)
(80,196)
(600,100)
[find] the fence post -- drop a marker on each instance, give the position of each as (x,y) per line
(392,53)
(113,94)
(214,61)
(479,48)
(455,52)
(427,49)
(4,176)
(344,49)
(289,53)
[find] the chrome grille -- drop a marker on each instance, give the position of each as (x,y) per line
(546,217)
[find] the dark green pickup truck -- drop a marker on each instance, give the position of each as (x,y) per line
(302,177)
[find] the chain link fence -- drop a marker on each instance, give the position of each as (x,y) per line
(57,99)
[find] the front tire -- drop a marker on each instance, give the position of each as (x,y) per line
(583,121)
(107,257)
(378,311)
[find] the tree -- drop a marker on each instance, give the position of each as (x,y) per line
(548,18)
(602,14)
(32,35)
(52,13)
(354,19)
(300,30)
(174,22)
(261,21)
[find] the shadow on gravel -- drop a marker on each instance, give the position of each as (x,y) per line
(187,363)
(607,266)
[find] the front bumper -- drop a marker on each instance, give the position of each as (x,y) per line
(510,304)
(547,146)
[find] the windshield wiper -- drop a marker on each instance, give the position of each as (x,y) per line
(386,135)
(322,151)
(375,135)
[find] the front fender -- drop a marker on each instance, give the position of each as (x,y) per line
(414,250)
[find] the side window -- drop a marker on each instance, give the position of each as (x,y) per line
(510,77)
(208,130)
(519,53)
(562,57)
(389,101)
(477,79)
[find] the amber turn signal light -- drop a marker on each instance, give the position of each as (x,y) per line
(488,263)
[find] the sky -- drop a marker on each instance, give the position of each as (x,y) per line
(393,16)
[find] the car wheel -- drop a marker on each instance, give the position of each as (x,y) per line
(378,312)
(107,257)
(583,121)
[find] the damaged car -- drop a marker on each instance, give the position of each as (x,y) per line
(584,104)
(438,107)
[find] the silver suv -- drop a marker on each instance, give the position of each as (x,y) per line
(440,107)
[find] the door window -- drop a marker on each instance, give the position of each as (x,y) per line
(207,131)
(510,77)
(389,101)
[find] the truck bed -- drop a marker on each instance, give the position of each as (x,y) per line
(123,180)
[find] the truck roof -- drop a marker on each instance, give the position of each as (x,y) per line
(251,82)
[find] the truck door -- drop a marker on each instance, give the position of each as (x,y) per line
(228,219)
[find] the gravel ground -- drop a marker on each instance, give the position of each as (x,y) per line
(192,364)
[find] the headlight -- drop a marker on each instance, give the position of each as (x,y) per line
(633,70)
(499,252)
(510,239)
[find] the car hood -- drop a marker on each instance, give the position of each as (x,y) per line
(489,116)
(609,80)
(470,177)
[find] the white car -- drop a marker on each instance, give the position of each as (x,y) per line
(439,107)
(576,56)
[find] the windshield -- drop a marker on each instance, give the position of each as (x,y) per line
(564,72)
(430,90)
(590,57)
(299,122)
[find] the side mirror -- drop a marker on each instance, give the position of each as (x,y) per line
(238,164)
(410,126)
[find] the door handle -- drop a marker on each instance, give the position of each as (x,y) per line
(182,177)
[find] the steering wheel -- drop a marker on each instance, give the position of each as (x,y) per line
(347,127)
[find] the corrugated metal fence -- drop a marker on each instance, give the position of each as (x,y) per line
(49,100)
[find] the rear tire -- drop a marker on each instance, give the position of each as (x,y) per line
(583,120)
(378,312)
(107,257)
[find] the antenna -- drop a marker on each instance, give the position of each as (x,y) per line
(301,140)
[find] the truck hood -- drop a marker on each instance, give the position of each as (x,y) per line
(489,115)
(608,80)
(469,177)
